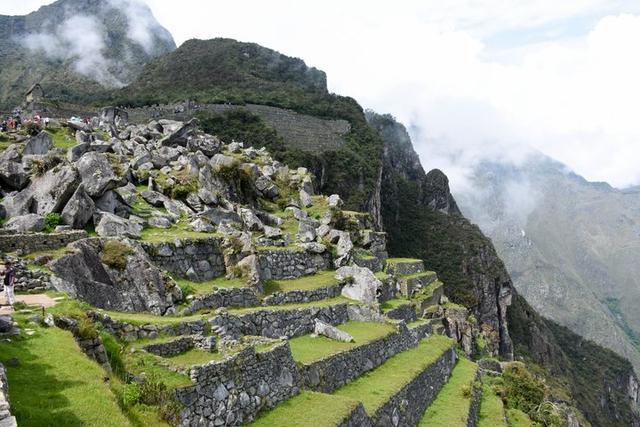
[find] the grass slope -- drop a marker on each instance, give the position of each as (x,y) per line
(319,280)
(55,384)
(307,349)
(308,409)
(451,407)
(375,387)
(491,409)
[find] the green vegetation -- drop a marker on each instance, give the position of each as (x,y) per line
(56,384)
(140,362)
(491,409)
(179,230)
(193,357)
(394,261)
(307,349)
(517,418)
(451,406)
(319,280)
(520,389)
(140,319)
(114,254)
(323,303)
(308,409)
(375,387)
(394,303)
(189,287)
(62,138)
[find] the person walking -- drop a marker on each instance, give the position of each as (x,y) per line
(9,277)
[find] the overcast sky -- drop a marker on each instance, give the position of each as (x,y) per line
(473,80)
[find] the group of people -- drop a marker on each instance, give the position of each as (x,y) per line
(9,276)
(11,124)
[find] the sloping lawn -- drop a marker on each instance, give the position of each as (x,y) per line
(307,349)
(308,409)
(319,280)
(376,387)
(491,409)
(55,384)
(451,407)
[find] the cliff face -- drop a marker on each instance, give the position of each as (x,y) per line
(76,49)
(422,220)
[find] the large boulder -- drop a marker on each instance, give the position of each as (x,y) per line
(114,275)
(39,144)
(181,134)
(79,209)
(361,284)
(17,204)
(114,226)
(13,175)
(208,145)
(97,174)
(26,223)
(332,332)
(49,192)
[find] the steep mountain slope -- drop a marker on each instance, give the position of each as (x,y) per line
(572,250)
(77,48)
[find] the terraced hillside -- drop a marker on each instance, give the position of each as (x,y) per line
(206,284)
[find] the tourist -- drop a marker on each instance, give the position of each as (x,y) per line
(9,277)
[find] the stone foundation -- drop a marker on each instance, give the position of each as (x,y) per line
(408,405)
(333,372)
(279,323)
(291,264)
(193,259)
(232,391)
(298,296)
(223,297)
(32,242)
(405,312)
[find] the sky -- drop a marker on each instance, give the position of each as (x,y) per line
(472,80)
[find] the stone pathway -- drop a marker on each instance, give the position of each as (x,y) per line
(34,299)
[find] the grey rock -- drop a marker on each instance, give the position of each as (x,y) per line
(361,284)
(154,198)
(305,199)
(180,135)
(159,222)
(96,173)
(332,332)
(26,223)
(250,220)
(39,144)
(335,201)
(209,145)
(79,209)
(221,161)
(78,151)
(201,225)
(114,226)
(128,193)
(267,187)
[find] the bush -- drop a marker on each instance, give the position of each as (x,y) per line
(114,353)
(114,254)
(131,394)
(51,221)
(521,390)
(86,329)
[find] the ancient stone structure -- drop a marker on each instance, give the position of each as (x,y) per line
(291,264)
(223,297)
(33,242)
(195,259)
(129,332)
(300,296)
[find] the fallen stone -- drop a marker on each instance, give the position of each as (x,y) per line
(96,173)
(79,209)
(335,201)
(114,226)
(39,144)
(25,223)
(332,332)
(361,284)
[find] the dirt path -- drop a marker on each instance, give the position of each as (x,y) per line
(41,300)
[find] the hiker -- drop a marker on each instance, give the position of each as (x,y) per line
(9,277)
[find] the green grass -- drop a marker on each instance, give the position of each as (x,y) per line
(394,303)
(451,406)
(61,139)
(416,275)
(308,409)
(56,384)
(307,349)
(491,409)
(319,207)
(177,231)
(141,362)
(323,303)
(194,357)
(207,287)
(517,418)
(140,319)
(381,275)
(319,280)
(393,261)
(416,323)
(375,387)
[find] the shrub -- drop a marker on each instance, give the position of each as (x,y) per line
(32,128)
(466,390)
(521,390)
(19,305)
(86,329)
(114,353)
(51,221)
(154,390)
(131,394)
(114,254)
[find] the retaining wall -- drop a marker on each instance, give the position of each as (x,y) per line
(129,332)
(32,242)
(6,419)
(194,259)
(298,296)
(291,264)
(223,297)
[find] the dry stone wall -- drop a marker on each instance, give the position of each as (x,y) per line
(299,296)
(329,374)
(223,297)
(6,419)
(358,418)
(232,391)
(32,242)
(408,405)
(279,323)
(194,259)
(291,264)
(130,332)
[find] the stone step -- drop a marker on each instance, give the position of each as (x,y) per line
(414,376)
(400,309)
(412,284)
(326,364)
(320,286)
(403,266)
(458,401)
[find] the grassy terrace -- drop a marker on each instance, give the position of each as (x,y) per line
(319,280)
(177,231)
(517,418)
(394,303)
(56,384)
(417,275)
(393,261)
(451,407)
(140,362)
(491,409)
(375,387)
(323,303)
(307,349)
(308,409)
(207,287)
